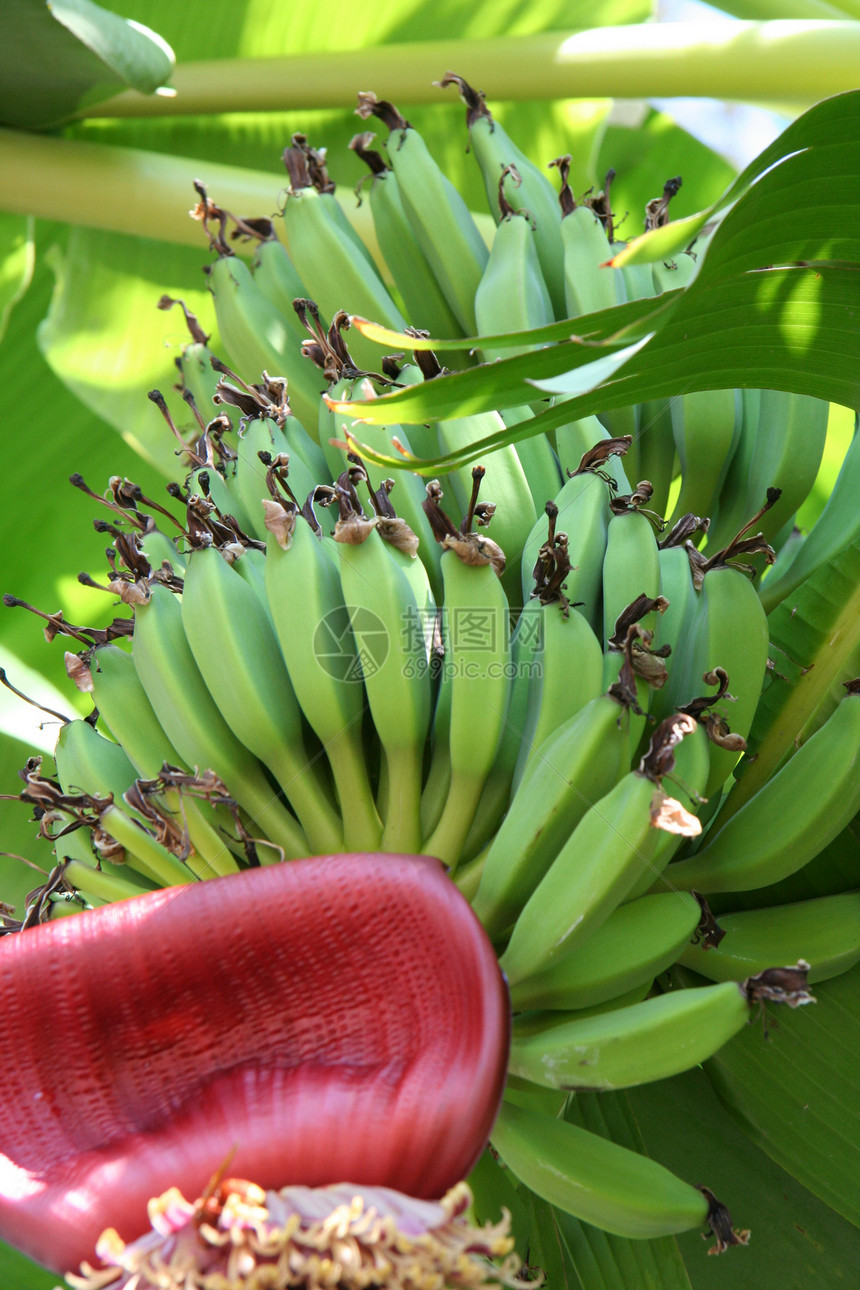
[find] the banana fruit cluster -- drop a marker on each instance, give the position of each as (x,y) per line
(526,668)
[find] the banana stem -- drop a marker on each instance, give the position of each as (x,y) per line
(304,793)
(147,855)
(362,827)
(404,767)
(717,59)
(106,887)
(128,190)
(451,832)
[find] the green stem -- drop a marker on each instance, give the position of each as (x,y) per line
(402,831)
(154,860)
(797,59)
(362,826)
(104,886)
(129,190)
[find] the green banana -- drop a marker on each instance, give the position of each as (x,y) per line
(786,454)
(687,781)
(441,221)
(387,624)
(512,294)
(234,645)
(258,339)
(652,1040)
(494,151)
(706,424)
(476,637)
(589,285)
(791,818)
(587,1175)
(193,724)
(598,865)
(262,434)
(278,279)
(837,526)
(583,514)
(123,704)
(706,429)
(505,486)
(729,631)
(639,940)
(568,661)
(577,766)
(576,438)
(338,277)
(87,762)
(537,458)
(423,298)
(313,628)
(631,567)
(825,932)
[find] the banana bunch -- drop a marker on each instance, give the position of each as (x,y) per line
(523,668)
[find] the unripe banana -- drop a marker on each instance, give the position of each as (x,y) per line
(87,762)
(729,631)
(505,486)
(639,940)
(644,1042)
(601,861)
(476,635)
(790,819)
(313,628)
(583,514)
(569,674)
(591,874)
(423,298)
(388,630)
(600,1182)
(193,724)
(442,223)
(258,339)
(512,294)
(494,150)
(631,567)
(837,526)
(338,277)
(786,454)
(235,647)
(825,932)
(278,279)
(578,765)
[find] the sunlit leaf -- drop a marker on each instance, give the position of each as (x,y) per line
(16,262)
(824,124)
(107,341)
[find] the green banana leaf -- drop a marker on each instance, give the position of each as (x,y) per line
(70,55)
(796,1095)
(796,1241)
(17,256)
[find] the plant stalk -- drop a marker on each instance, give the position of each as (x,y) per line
(790,60)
